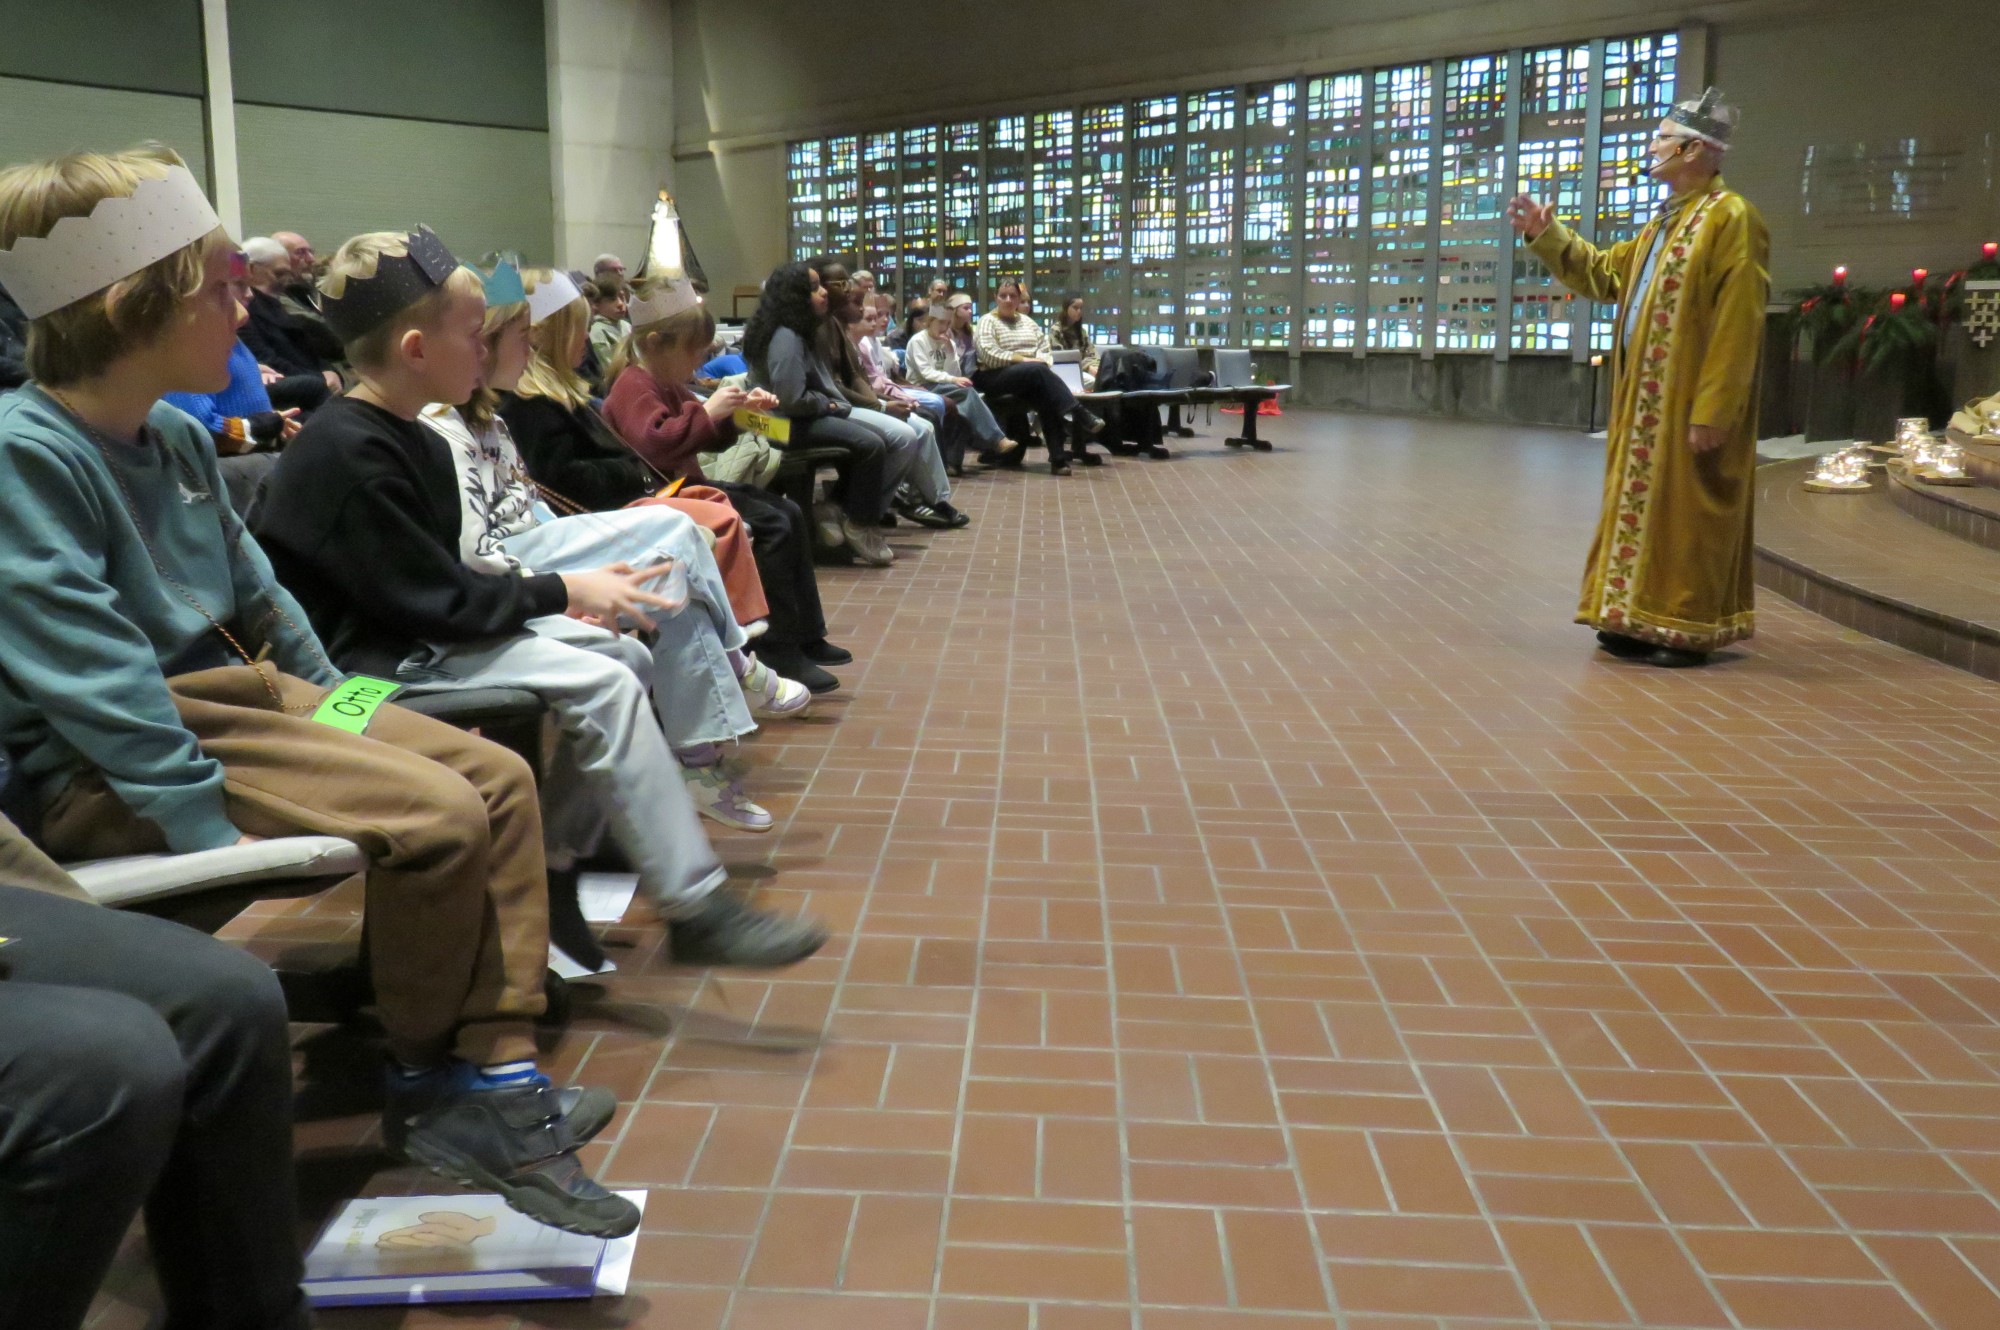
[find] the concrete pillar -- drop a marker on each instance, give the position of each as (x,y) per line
(611,123)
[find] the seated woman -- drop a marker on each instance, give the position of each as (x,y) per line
(665,429)
(579,465)
(1014,358)
(1072,334)
(779,343)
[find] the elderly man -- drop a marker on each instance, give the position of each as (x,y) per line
(1669,578)
(292,348)
(608,265)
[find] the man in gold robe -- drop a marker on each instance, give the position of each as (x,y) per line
(1670,576)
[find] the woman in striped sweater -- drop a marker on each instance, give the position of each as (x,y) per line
(1015,360)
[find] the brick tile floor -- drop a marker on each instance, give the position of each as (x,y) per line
(1259,908)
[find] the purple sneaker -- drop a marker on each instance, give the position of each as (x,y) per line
(721,798)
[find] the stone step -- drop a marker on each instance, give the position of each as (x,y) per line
(1863,562)
(1969,512)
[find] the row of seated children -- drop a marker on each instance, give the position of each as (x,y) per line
(158,678)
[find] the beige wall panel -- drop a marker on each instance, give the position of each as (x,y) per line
(46,119)
(330,176)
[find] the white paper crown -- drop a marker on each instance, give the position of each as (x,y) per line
(663,302)
(121,236)
(550,296)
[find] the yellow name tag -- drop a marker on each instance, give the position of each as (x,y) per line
(777,429)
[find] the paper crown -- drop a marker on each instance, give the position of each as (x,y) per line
(551,295)
(662,301)
(1707,118)
(400,281)
(120,236)
(503,284)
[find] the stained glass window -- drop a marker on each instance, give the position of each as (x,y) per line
(1336,131)
(1270,187)
(1555,98)
(881,209)
(1638,92)
(962,232)
(804,181)
(1100,148)
(843,196)
(1296,212)
(1211,270)
(1473,235)
(1156,123)
(1006,198)
(1053,156)
(1399,216)
(920,203)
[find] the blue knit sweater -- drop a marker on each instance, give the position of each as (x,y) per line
(245,395)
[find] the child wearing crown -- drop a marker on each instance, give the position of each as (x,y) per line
(160,685)
(367,519)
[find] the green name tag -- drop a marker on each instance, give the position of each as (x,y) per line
(352,705)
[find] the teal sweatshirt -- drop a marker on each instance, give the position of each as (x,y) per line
(88,630)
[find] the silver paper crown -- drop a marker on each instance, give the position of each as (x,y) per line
(662,302)
(1707,118)
(551,295)
(120,236)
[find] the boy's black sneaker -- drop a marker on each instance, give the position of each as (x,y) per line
(725,931)
(512,1139)
(586,1109)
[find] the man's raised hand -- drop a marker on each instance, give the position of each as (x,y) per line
(1529,216)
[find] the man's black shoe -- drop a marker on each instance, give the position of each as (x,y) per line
(1623,647)
(1089,459)
(1157,451)
(952,514)
(725,931)
(513,1140)
(824,652)
(586,1109)
(1011,457)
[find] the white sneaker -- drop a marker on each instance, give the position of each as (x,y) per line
(831,526)
(770,693)
(867,544)
(721,799)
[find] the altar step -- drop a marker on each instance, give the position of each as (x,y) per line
(1887,562)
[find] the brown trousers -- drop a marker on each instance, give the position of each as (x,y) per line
(457,898)
(23,865)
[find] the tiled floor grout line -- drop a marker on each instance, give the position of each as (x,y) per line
(984,514)
(1335,1309)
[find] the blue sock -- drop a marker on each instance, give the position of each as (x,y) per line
(503,1074)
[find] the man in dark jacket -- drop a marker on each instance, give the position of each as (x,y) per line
(296,348)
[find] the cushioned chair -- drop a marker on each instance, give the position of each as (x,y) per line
(1233,379)
(1182,366)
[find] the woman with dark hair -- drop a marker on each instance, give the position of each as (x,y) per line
(1072,334)
(779,344)
(1015,359)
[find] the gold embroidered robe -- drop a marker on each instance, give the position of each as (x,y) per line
(1671,563)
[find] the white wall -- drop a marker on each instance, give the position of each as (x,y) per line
(611,124)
